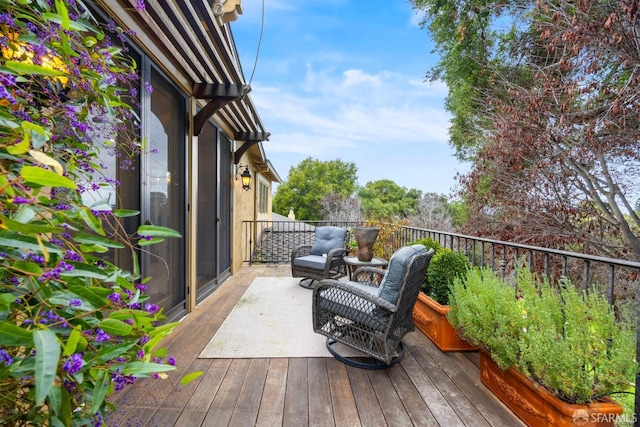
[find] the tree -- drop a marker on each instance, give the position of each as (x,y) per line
(433,213)
(341,209)
(309,182)
(385,198)
(467,39)
(555,157)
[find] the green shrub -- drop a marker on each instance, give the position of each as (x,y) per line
(429,243)
(445,266)
(568,341)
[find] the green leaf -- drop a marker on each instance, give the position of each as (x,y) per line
(124,213)
(186,379)
(101,387)
(8,121)
(21,67)
(92,221)
(12,335)
(112,352)
(27,267)
(157,231)
(141,369)
(94,248)
(45,178)
(86,270)
(62,10)
(73,340)
(4,184)
(25,214)
(115,327)
(145,242)
(63,298)
(38,134)
(47,357)
(90,239)
(22,146)
(24,242)
(27,228)
(89,294)
(6,300)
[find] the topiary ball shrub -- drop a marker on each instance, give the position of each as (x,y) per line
(445,266)
(429,243)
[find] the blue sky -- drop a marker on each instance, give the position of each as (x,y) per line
(344,79)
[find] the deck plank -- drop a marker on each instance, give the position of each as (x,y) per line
(296,402)
(390,403)
(225,400)
(320,408)
(368,407)
(416,408)
(272,406)
(246,409)
(345,412)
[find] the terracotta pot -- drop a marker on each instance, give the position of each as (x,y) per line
(536,406)
(365,237)
(431,318)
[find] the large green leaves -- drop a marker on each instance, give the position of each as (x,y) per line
(45,178)
(47,358)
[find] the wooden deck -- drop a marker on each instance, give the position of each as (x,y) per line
(428,388)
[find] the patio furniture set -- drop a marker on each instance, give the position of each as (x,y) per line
(372,310)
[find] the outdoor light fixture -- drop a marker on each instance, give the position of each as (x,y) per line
(245,176)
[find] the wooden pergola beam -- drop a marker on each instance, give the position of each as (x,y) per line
(251,139)
(218,95)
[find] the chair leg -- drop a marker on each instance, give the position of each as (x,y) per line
(375,364)
(308,285)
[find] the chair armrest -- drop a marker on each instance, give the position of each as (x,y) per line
(337,253)
(343,291)
(300,250)
(371,276)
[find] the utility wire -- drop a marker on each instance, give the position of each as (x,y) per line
(255,63)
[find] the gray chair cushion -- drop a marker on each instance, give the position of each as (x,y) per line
(392,280)
(328,238)
(316,262)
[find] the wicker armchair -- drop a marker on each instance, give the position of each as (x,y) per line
(322,259)
(373,312)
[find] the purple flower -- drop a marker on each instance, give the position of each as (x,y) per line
(5,358)
(75,303)
(19,200)
(73,363)
(151,308)
(140,6)
(102,336)
(115,297)
(72,256)
(120,380)
(171,361)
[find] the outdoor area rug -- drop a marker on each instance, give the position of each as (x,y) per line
(272,319)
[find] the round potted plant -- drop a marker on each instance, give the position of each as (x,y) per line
(551,354)
(432,305)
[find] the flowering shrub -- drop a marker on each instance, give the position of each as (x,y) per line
(74,326)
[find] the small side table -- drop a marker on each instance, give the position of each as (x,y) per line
(353,263)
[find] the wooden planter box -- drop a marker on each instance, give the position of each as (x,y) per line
(536,406)
(431,318)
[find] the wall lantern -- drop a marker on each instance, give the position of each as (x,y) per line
(245,176)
